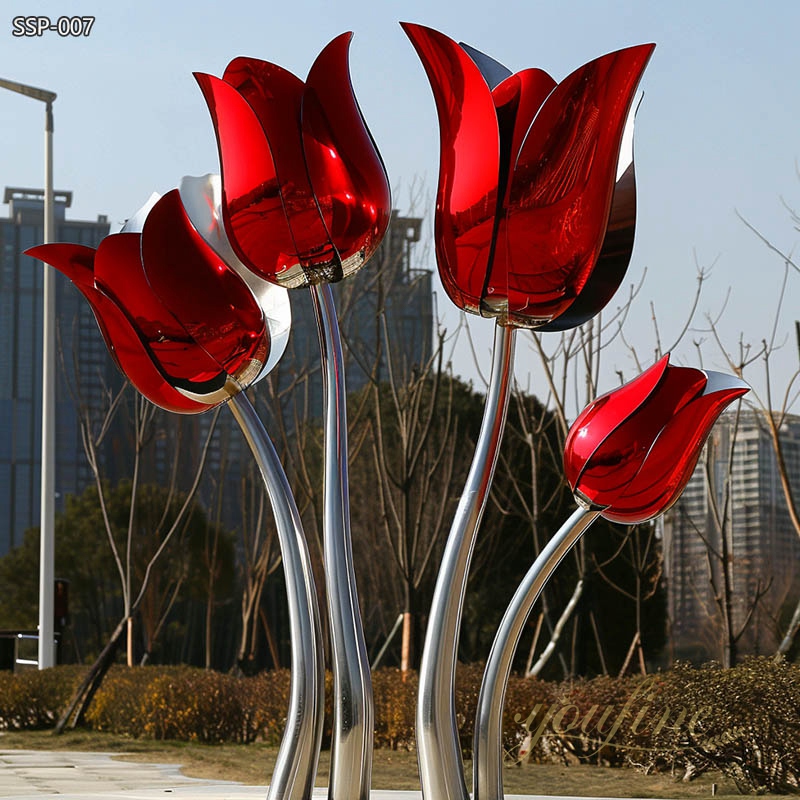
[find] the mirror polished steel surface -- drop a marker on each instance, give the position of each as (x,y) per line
(527,176)
(438,749)
(487,759)
(296,765)
(633,450)
(305,194)
(353,713)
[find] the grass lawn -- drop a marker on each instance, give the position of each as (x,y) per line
(252,764)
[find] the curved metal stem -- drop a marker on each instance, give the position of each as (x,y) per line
(353,713)
(488,742)
(439,754)
(296,765)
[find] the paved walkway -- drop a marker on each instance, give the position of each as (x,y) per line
(60,775)
(96,776)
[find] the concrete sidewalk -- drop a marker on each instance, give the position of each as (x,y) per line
(61,775)
(84,776)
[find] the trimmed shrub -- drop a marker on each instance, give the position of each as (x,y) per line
(395,708)
(35,699)
(743,721)
(117,705)
(265,700)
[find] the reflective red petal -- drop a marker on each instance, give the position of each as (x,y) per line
(612,263)
(346,171)
(466,204)
(224,324)
(596,422)
(517,99)
(563,182)
(130,354)
(615,462)
(253,210)
(671,461)
(275,95)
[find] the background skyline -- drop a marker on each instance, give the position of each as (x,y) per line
(716,132)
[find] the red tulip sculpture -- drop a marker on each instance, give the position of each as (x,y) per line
(305,196)
(631,452)
(186,351)
(535,208)
(306,202)
(535,215)
(192,328)
(628,457)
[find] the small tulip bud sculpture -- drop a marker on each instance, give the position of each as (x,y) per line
(628,456)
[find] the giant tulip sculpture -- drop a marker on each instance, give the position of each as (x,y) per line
(628,456)
(306,202)
(184,351)
(191,328)
(534,226)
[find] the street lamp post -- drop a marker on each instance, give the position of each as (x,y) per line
(47,513)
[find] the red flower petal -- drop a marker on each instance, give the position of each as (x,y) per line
(672,459)
(612,263)
(517,100)
(615,462)
(563,182)
(217,311)
(346,171)
(466,204)
(275,95)
(253,208)
(127,349)
(599,419)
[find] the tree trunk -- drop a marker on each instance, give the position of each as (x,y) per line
(551,646)
(405,648)
(91,683)
(794,626)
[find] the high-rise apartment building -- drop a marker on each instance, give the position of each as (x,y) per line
(743,520)
(81,351)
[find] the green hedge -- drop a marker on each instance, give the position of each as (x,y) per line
(743,721)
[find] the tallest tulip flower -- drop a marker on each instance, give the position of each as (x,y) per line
(306,202)
(536,202)
(535,217)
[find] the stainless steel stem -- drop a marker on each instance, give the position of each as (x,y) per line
(353,712)
(296,765)
(438,750)
(487,761)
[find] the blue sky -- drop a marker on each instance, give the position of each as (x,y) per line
(717,131)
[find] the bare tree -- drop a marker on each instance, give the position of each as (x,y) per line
(772,405)
(133,589)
